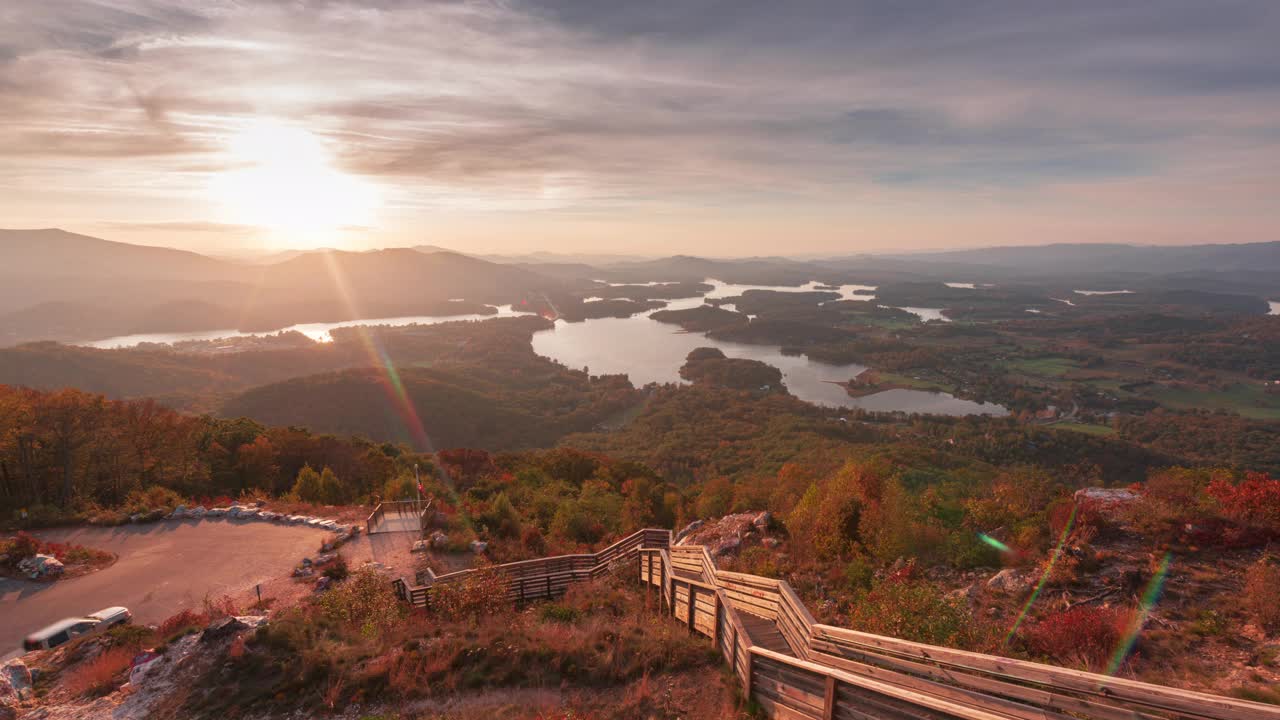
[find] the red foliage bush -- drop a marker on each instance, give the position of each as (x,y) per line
(1084,636)
(22,546)
(182,620)
(1253,503)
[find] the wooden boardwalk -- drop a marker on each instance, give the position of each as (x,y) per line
(796,668)
(765,633)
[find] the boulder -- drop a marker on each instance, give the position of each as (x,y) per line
(688,529)
(178,513)
(224,628)
(325,558)
(726,546)
(323,583)
(438,540)
(39,566)
(762,521)
(479,546)
(420,546)
(1010,581)
(304,571)
(1112,504)
(248,514)
(15,680)
(198,511)
(217,512)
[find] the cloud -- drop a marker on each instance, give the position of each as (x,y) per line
(661,106)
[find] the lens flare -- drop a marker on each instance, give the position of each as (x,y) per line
(1044,578)
(390,377)
(994,543)
(1150,596)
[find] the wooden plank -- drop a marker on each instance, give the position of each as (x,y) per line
(901,672)
(1188,702)
(829,699)
(845,678)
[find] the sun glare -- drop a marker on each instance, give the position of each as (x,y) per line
(283,179)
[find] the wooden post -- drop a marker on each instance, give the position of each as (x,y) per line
(715,626)
(548,587)
(829,704)
(750,669)
(691,606)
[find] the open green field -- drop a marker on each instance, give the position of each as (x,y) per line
(1087,428)
(1247,399)
(1044,367)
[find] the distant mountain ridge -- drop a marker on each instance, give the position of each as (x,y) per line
(56,285)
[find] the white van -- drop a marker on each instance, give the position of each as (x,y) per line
(65,630)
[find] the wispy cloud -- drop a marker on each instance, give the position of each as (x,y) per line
(715,112)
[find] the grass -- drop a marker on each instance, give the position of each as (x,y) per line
(1247,399)
(1044,367)
(1087,428)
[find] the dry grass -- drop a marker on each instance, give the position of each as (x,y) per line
(99,674)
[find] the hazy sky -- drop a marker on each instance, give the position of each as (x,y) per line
(735,127)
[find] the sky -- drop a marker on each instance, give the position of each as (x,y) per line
(737,127)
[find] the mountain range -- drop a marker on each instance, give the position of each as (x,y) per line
(58,285)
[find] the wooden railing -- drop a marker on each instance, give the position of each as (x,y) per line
(794,667)
(542,578)
(374,519)
(825,672)
(416,508)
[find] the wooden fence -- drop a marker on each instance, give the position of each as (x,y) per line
(794,667)
(407,516)
(543,578)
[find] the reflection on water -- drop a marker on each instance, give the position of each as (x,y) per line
(649,351)
(316,331)
(925,314)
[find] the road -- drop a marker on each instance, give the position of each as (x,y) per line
(164,567)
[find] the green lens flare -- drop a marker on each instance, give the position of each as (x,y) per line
(994,543)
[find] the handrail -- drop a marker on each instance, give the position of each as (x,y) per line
(542,578)
(832,672)
(984,686)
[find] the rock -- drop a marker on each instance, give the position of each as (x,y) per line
(217,512)
(323,583)
(1112,504)
(224,628)
(269,516)
(326,558)
(15,680)
(479,546)
(726,546)
(771,542)
(248,514)
(438,540)
(1009,580)
(304,571)
(136,517)
(178,512)
(38,566)
(761,521)
(420,546)
(688,529)
(198,511)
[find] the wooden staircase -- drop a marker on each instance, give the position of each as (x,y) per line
(794,667)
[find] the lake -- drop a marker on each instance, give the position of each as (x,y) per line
(649,351)
(316,331)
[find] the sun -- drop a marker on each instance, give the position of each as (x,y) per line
(282,178)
